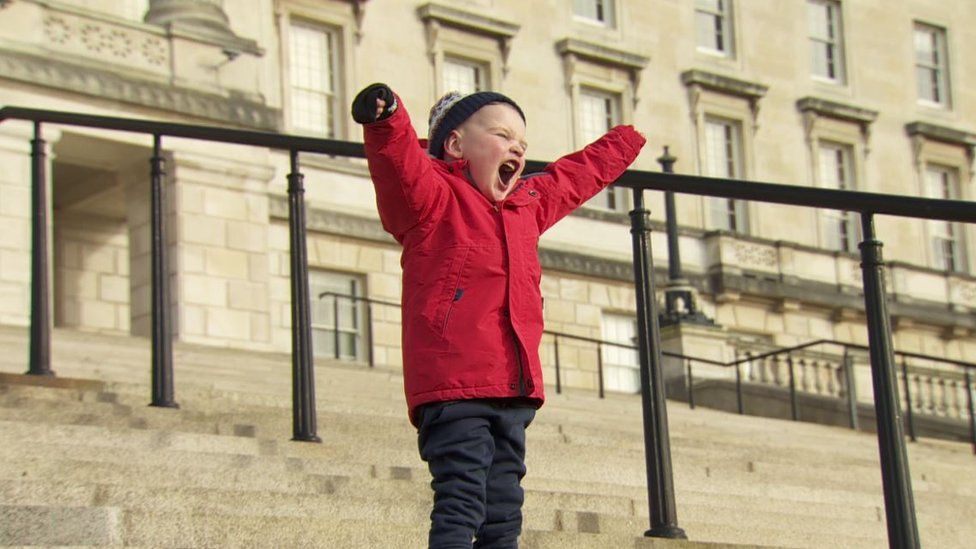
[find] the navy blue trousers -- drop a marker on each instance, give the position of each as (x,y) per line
(475,450)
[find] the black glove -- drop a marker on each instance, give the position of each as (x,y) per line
(364,105)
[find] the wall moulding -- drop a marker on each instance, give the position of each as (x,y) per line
(137,90)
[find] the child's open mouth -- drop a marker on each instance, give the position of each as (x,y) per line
(507,172)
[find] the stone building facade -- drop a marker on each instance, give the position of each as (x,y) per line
(851,94)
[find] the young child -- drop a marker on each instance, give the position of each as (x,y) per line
(469,222)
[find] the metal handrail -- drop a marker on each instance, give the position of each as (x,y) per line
(899,502)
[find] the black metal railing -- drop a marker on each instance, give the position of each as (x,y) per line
(899,502)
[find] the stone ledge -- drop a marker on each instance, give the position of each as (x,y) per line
(724,84)
(467,20)
(107,85)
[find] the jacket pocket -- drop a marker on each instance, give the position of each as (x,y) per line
(451,292)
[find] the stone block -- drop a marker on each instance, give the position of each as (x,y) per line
(14,299)
(225,203)
(194,320)
(15,234)
(370,260)
(192,199)
(114,289)
(279,289)
(588,315)
(198,229)
(260,328)
(386,333)
(227,324)
(15,201)
(278,237)
(140,239)
(122,318)
(100,259)
(559,310)
(74,283)
(204,290)
(96,314)
(384,286)
(226,263)
(258,267)
(191,259)
(53,526)
(257,209)
(572,289)
(248,296)
(247,237)
(599,294)
(14,266)
(391,262)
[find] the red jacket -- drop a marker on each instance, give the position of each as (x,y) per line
(472,306)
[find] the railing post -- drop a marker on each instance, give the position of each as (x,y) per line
(691,385)
(303,374)
(599,367)
(657,446)
(909,413)
(848,365)
(40,314)
(162,327)
(335,322)
(899,502)
(559,385)
(972,413)
(794,413)
(369,333)
(738,389)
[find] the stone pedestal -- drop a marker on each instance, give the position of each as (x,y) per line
(696,340)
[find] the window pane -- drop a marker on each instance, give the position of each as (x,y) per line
(329,292)
(597,10)
(462,76)
(825,36)
(931,68)
(722,159)
(620,365)
(312,78)
(598,112)
(713,26)
(941,182)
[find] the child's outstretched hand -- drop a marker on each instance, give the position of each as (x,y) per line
(375,102)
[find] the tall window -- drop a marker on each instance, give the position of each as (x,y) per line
(931,65)
(313,66)
(330,293)
(944,236)
(838,229)
(464,76)
(595,11)
(621,370)
(713,19)
(598,112)
(723,158)
(826,39)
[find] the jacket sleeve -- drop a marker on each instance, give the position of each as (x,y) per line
(408,188)
(575,178)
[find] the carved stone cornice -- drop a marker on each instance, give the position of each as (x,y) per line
(436,15)
(468,20)
(604,55)
(202,20)
(333,222)
(840,111)
(85,79)
(924,131)
(587,265)
(752,91)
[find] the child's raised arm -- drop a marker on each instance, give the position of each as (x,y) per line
(575,178)
(407,186)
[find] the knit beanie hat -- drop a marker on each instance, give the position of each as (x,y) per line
(453,109)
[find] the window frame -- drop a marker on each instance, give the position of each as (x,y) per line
(837,42)
(957,261)
(608,7)
(725,15)
(334,125)
(616,199)
(358,328)
(941,66)
(735,210)
(481,68)
(849,234)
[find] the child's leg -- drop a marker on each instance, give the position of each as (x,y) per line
(504,495)
(456,442)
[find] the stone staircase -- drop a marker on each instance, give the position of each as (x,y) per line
(85,462)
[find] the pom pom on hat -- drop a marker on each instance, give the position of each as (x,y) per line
(453,109)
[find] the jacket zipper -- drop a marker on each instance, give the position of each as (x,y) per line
(521,369)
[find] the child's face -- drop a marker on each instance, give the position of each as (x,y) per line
(492,140)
